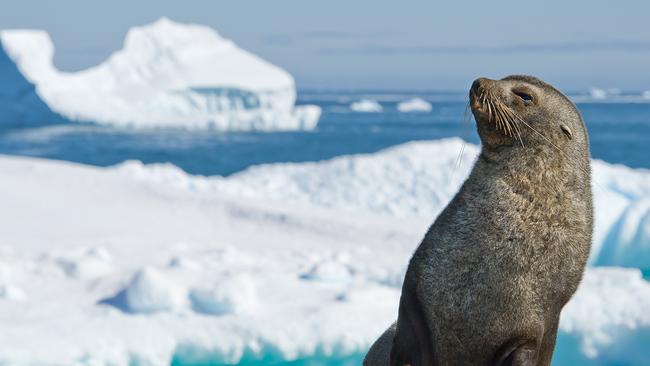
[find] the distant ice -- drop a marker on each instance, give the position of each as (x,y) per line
(646,94)
(602,94)
(367,106)
(167,74)
(597,93)
(306,117)
(414,105)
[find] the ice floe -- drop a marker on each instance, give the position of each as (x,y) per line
(414,105)
(366,106)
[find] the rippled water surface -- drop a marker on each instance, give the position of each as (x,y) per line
(619,133)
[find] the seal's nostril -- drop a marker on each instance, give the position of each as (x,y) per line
(476,85)
(479,84)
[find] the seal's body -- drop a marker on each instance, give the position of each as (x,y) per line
(488,282)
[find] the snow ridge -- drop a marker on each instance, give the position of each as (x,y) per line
(417,179)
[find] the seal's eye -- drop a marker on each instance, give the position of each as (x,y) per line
(525,97)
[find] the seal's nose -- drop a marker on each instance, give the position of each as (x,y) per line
(478,92)
(479,84)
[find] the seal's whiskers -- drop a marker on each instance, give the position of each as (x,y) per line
(511,119)
(466,119)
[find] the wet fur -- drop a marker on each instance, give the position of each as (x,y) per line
(488,282)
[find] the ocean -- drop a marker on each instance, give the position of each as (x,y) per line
(619,132)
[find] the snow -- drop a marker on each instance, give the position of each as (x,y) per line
(615,332)
(150,291)
(88,263)
(12,293)
(329,271)
(233,294)
(414,105)
(366,106)
(145,264)
(417,179)
(167,74)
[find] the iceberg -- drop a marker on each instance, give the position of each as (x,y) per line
(366,106)
(167,74)
(145,264)
(414,105)
(20,103)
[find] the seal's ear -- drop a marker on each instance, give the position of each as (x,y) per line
(412,344)
(567,131)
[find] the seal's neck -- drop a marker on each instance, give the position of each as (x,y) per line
(538,168)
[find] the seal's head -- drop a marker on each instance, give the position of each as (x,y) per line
(522,111)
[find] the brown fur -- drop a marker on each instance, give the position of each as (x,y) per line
(488,282)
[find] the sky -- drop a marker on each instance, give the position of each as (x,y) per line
(388,45)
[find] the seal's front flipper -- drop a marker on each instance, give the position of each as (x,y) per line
(413,343)
(379,353)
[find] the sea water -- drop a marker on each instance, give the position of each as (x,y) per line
(619,133)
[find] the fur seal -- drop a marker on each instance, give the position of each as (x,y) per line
(489,279)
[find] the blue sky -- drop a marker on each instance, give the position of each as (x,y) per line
(380,44)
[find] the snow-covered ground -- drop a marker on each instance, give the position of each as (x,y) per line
(147,265)
(167,74)
(417,179)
